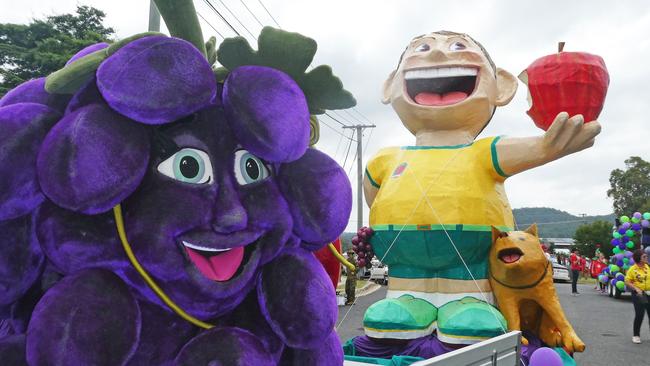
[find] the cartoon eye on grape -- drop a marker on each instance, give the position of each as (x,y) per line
(167,204)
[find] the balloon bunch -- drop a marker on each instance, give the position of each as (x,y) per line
(361,246)
(623,246)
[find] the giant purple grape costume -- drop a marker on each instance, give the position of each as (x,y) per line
(211,177)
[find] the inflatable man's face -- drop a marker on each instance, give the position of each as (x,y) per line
(447,81)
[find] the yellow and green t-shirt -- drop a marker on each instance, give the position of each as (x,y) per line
(430,196)
(639,276)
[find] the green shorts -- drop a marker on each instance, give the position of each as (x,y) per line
(426,251)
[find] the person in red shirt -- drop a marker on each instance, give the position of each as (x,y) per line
(583,267)
(575,271)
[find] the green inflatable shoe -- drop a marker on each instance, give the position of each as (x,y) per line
(406,317)
(468,321)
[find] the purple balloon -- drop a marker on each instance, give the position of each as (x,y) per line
(621,246)
(545,357)
(622,231)
(620,263)
(637,215)
(645,223)
(625,239)
(628,254)
(626,225)
(636,227)
(156,80)
(619,256)
(615,242)
(268,113)
(87,50)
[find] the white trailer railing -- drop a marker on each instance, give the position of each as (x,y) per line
(504,350)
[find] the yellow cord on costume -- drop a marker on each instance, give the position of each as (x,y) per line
(340,258)
(119,222)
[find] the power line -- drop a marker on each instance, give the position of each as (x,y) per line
(333,129)
(237,19)
(336,120)
(342,118)
(269,13)
(251,13)
(208,23)
(221,16)
(347,153)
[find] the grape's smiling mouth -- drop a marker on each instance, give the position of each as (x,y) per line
(440,86)
(220,262)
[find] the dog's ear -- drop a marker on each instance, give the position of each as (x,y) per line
(532,230)
(496,234)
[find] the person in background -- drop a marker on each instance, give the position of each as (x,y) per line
(601,264)
(583,267)
(638,280)
(575,271)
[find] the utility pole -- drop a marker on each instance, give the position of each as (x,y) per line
(359,130)
(154,17)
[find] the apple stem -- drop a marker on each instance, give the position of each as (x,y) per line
(560,47)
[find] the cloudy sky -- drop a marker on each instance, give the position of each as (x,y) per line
(362,40)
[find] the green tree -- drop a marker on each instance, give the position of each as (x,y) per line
(43,46)
(630,188)
(589,235)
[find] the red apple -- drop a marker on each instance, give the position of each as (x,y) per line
(573,82)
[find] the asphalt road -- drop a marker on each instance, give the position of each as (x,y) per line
(603,323)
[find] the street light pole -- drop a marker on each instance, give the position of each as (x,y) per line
(359,130)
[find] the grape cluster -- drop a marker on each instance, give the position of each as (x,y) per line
(361,246)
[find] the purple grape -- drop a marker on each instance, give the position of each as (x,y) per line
(361,254)
(268,113)
(319,217)
(362,262)
(355,240)
(23,127)
(156,80)
(93,159)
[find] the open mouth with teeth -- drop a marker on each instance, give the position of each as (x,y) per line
(218,264)
(440,86)
(510,255)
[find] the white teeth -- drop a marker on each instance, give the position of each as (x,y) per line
(205,249)
(440,72)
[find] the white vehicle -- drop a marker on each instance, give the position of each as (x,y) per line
(560,272)
(379,272)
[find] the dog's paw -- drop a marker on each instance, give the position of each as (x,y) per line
(550,336)
(572,343)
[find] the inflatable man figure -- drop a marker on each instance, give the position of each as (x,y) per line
(432,204)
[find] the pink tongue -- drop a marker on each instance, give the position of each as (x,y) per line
(435,99)
(220,267)
(510,258)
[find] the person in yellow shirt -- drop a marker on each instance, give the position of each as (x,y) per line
(637,279)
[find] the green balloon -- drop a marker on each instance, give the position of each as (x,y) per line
(630,233)
(620,285)
(646,215)
(626,267)
(636,220)
(625,219)
(626,260)
(617,235)
(615,268)
(616,250)
(629,245)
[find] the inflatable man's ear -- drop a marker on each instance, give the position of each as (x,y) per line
(93,159)
(319,196)
(23,127)
(268,113)
(156,80)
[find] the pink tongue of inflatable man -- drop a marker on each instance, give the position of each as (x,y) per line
(435,99)
(220,267)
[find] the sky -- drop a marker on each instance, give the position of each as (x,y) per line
(363,39)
